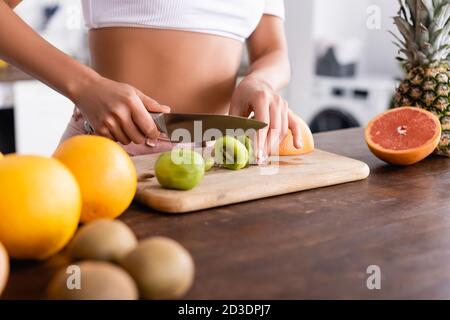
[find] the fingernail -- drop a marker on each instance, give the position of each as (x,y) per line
(150,143)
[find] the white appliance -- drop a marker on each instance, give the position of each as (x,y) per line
(308,23)
(344,103)
(41,116)
(6,95)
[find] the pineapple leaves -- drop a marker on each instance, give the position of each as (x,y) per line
(405,29)
(437,3)
(441,37)
(412,10)
(430,8)
(400,43)
(402,12)
(425,28)
(442,53)
(441,18)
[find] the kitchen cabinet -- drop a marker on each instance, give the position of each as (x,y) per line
(322,243)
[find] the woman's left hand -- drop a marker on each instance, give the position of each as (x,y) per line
(254,95)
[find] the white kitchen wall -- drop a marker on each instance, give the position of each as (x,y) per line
(380,52)
(299,31)
(340,19)
(41,114)
(65,30)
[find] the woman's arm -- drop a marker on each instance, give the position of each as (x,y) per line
(115,110)
(12,3)
(21,46)
(268,53)
(258,91)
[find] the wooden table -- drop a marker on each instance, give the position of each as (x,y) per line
(315,244)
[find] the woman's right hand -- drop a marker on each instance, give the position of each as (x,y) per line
(118,111)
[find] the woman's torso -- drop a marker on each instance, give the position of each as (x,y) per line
(183,53)
(190,72)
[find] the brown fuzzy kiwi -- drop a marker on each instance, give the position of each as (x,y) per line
(99,281)
(104,240)
(161,267)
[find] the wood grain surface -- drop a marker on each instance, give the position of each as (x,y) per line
(222,187)
(312,244)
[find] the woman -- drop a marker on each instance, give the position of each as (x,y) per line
(149,55)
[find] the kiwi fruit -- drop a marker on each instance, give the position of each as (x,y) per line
(99,281)
(161,267)
(103,240)
(209,163)
(4,268)
(231,153)
(247,142)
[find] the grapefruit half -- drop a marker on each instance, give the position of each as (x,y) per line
(287,147)
(403,136)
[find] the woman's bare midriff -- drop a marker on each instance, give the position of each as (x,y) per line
(190,72)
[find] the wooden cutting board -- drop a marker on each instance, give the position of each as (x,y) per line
(222,187)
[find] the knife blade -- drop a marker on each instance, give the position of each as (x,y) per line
(194,126)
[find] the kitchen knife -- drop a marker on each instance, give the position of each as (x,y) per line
(197,124)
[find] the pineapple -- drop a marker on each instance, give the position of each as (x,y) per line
(425,48)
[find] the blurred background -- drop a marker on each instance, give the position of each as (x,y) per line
(344,70)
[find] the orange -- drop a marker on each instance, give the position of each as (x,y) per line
(287,147)
(4,268)
(403,136)
(105,173)
(40,206)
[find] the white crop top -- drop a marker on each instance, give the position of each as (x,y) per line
(235,19)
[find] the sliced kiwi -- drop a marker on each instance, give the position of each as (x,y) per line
(231,153)
(161,267)
(105,240)
(209,163)
(97,281)
(247,142)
